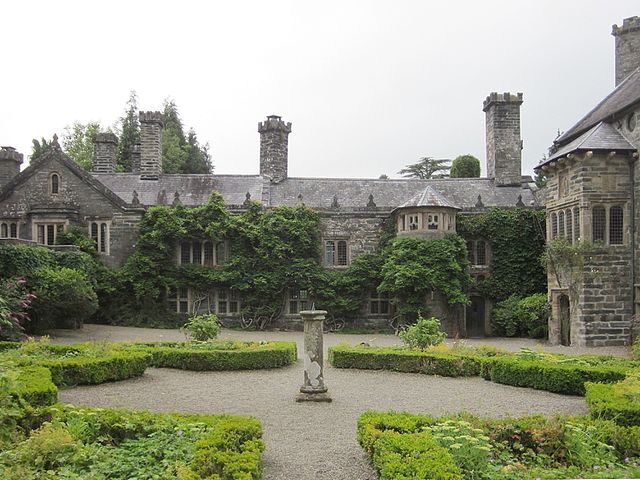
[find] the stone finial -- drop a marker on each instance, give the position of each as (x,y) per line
(104,152)
(371,203)
(176,199)
(479,203)
(519,203)
(54,143)
(247,199)
(151,124)
(274,148)
(627,47)
(334,202)
(135,200)
(162,197)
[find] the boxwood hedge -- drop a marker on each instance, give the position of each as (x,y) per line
(234,356)
(34,385)
(619,402)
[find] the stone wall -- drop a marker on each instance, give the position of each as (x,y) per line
(151,124)
(76,204)
(274,148)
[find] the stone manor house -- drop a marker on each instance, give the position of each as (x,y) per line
(54,193)
(591,195)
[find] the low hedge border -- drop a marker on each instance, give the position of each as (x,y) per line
(255,356)
(610,402)
(408,361)
(552,377)
(34,385)
(539,374)
(94,370)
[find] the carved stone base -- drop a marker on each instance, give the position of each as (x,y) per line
(313,397)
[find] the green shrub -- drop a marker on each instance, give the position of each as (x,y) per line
(544,375)
(521,317)
(207,357)
(619,402)
(423,334)
(35,386)
(202,327)
(401,360)
(371,424)
(64,297)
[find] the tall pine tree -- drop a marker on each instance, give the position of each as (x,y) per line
(129,134)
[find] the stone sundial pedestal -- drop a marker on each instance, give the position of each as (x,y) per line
(313,389)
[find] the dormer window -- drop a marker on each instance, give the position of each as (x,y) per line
(54,184)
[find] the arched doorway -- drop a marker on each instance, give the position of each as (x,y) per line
(475,317)
(565,320)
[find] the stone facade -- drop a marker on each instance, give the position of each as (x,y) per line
(592,202)
(54,194)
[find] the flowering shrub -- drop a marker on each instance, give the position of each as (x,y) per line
(14,303)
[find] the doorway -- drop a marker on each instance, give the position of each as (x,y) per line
(475,317)
(565,321)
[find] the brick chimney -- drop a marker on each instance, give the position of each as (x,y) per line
(627,47)
(151,124)
(274,148)
(104,152)
(10,161)
(504,145)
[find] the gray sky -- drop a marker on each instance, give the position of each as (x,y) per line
(369,86)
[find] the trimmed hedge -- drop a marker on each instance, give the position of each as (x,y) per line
(610,402)
(94,370)
(408,361)
(552,377)
(34,385)
(251,357)
(5,345)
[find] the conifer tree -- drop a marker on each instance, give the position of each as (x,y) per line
(129,134)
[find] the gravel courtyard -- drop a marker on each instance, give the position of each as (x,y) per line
(308,440)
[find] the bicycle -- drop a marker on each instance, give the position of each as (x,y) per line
(332,324)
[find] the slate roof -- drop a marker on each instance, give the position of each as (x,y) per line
(625,95)
(428,198)
(193,189)
(602,136)
(318,193)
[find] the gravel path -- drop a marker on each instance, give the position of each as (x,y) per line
(307,440)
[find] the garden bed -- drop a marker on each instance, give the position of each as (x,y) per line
(408,446)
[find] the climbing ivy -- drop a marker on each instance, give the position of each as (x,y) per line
(517,238)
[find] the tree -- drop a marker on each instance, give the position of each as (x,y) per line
(39,148)
(426,168)
(540,177)
(180,153)
(77,142)
(129,134)
(465,166)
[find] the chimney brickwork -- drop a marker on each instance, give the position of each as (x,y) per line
(274,148)
(10,162)
(151,124)
(627,47)
(104,156)
(504,144)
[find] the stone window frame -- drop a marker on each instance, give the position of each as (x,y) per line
(476,245)
(101,235)
(180,299)
(379,304)
(553,219)
(564,222)
(339,261)
(56,224)
(9,229)
(607,226)
(208,253)
(54,182)
(298,299)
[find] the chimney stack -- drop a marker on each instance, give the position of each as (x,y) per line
(135,153)
(274,148)
(627,47)
(104,156)
(504,145)
(10,161)
(151,124)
